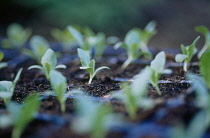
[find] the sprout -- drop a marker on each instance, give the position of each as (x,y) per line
(135,96)
(88,64)
(17,36)
(157,68)
(90,41)
(135,43)
(204,30)
(205,67)
(93,118)
(187,53)
(38,47)
(7,88)
(48,62)
(2,64)
(64,37)
(22,115)
(58,82)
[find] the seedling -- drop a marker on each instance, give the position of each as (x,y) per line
(7,88)
(205,31)
(205,67)
(2,64)
(64,37)
(88,64)
(93,118)
(145,35)
(58,82)
(21,115)
(157,68)
(38,47)
(90,41)
(131,45)
(135,96)
(17,36)
(48,62)
(187,53)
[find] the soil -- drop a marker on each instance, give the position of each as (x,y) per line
(174,106)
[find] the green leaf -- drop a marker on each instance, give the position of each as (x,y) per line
(119,44)
(202,95)
(150,27)
(202,29)
(100,68)
(25,115)
(1,56)
(6,86)
(36,67)
(6,95)
(60,66)
(91,70)
(159,62)
(39,46)
(205,67)
(77,35)
(50,58)
(84,57)
(132,37)
(180,57)
(58,82)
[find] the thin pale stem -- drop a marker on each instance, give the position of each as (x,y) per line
(185,66)
(202,51)
(90,80)
(158,90)
(126,63)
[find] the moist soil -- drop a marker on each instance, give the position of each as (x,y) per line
(174,106)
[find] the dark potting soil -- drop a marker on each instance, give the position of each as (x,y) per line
(173,106)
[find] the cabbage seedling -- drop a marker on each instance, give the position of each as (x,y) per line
(93,118)
(187,53)
(58,82)
(88,64)
(7,88)
(131,44)
(21,115)
(90,41)
(205,31)
(2,64)
(48,62)
(17,36)
(39,46)
(64,37)
(205,67)
(135,96)
(145,35)
(157,68)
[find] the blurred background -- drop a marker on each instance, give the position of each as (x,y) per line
(176,19)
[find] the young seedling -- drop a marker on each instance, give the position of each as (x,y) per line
(2,64)
(131,44)
(145,35)
(157,68)
(7,88)
(64,37)
(135,96)
(88,64)
(39,46)
(89,41)
(22,115)
(205,67)
(187,53)
(17,36)
(205,31)
(48,62)
(58,82)
(93,118)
